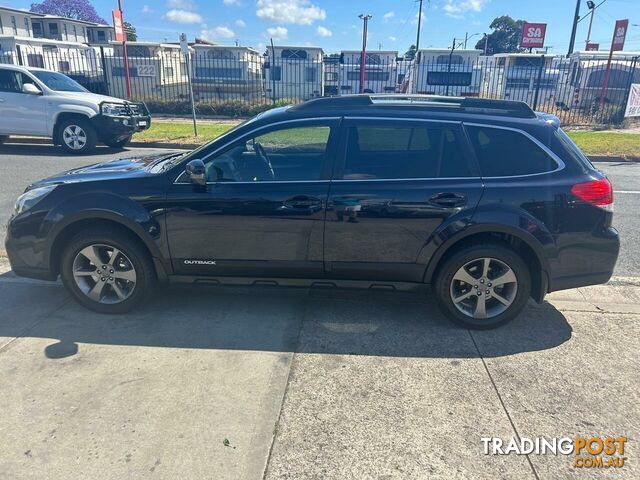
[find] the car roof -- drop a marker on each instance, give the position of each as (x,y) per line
(423,107)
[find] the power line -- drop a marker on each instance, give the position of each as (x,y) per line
(592,10)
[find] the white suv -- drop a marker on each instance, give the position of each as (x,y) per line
(39,102)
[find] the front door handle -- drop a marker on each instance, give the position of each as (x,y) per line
(449,199)
(1,100)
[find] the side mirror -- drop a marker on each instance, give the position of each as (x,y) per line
(30,89)
(196,172)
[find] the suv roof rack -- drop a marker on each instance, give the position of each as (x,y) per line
(483,106)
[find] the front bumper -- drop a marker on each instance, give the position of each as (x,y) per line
(119,127)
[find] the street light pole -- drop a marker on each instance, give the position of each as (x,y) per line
(576,17)
(419,23)
(592,8)
(486,41)
(363,54)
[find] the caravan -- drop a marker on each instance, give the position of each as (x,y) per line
(223,72)
(527,77)
(380,71)
(294,73)
(446,72)
(586,75)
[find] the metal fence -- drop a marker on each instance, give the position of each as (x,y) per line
(571,88)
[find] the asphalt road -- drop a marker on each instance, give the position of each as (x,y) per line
(23,164)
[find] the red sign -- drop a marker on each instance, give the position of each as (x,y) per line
(533,35)
(619,35)
(592,47)
(118,26)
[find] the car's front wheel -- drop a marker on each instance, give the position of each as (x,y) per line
(123,142)
(77,135)
(483,286)
(107,271)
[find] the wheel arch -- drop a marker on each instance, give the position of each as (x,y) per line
(65,115)
(523,243)
(90,219)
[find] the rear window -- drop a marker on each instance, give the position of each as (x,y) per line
(505,153)
(395,152)
(569,148)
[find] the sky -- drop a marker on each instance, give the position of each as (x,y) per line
(334,24)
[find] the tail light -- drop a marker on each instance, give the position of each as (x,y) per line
(598,193)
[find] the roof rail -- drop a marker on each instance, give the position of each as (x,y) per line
(433,102)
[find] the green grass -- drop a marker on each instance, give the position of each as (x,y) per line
(607,143)
(591,143)
(181,132)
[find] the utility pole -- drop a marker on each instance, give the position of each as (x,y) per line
(592,8)
(363,54)
(486,41)
(124,53)
(419,23)
(576,17)
(466,37)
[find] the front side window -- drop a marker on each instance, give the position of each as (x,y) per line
(504,153)
(9,81)
(288,154)
(396,152)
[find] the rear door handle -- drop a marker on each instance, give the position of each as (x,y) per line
(302,202)
(1,100)
(449,199)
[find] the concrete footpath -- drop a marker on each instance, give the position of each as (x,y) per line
(251,383)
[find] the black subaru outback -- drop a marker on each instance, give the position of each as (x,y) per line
(486,200)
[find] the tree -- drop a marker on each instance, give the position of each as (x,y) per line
(411,53)
(130,30)
(74,9)
(505,37)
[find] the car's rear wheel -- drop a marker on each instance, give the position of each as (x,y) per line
(107,271)
(117,143)
(77,135)
(483,286)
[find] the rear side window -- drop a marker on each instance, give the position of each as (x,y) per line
(504,153)
(393,152)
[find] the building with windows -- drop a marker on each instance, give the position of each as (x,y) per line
(292,72)
(226,72)
(381,71)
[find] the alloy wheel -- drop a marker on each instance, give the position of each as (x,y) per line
(74,137)
(483,288)
(104,274)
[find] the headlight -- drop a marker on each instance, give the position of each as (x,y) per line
(30,198)
(113,109)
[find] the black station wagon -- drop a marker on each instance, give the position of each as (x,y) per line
(486,200)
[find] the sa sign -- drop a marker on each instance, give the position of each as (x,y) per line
(533,35)
(619,35)
(118,25)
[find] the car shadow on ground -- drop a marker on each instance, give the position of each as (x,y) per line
(324,321)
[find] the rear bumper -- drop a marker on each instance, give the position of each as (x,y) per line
(592,263)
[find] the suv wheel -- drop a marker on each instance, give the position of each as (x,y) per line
(483,286)
(77,135)
(107,271)
(117,143)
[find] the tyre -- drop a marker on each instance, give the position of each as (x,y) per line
(483,286)
(117,143)
(77,135)
(107,271)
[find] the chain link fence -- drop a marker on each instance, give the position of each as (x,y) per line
(581,90)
